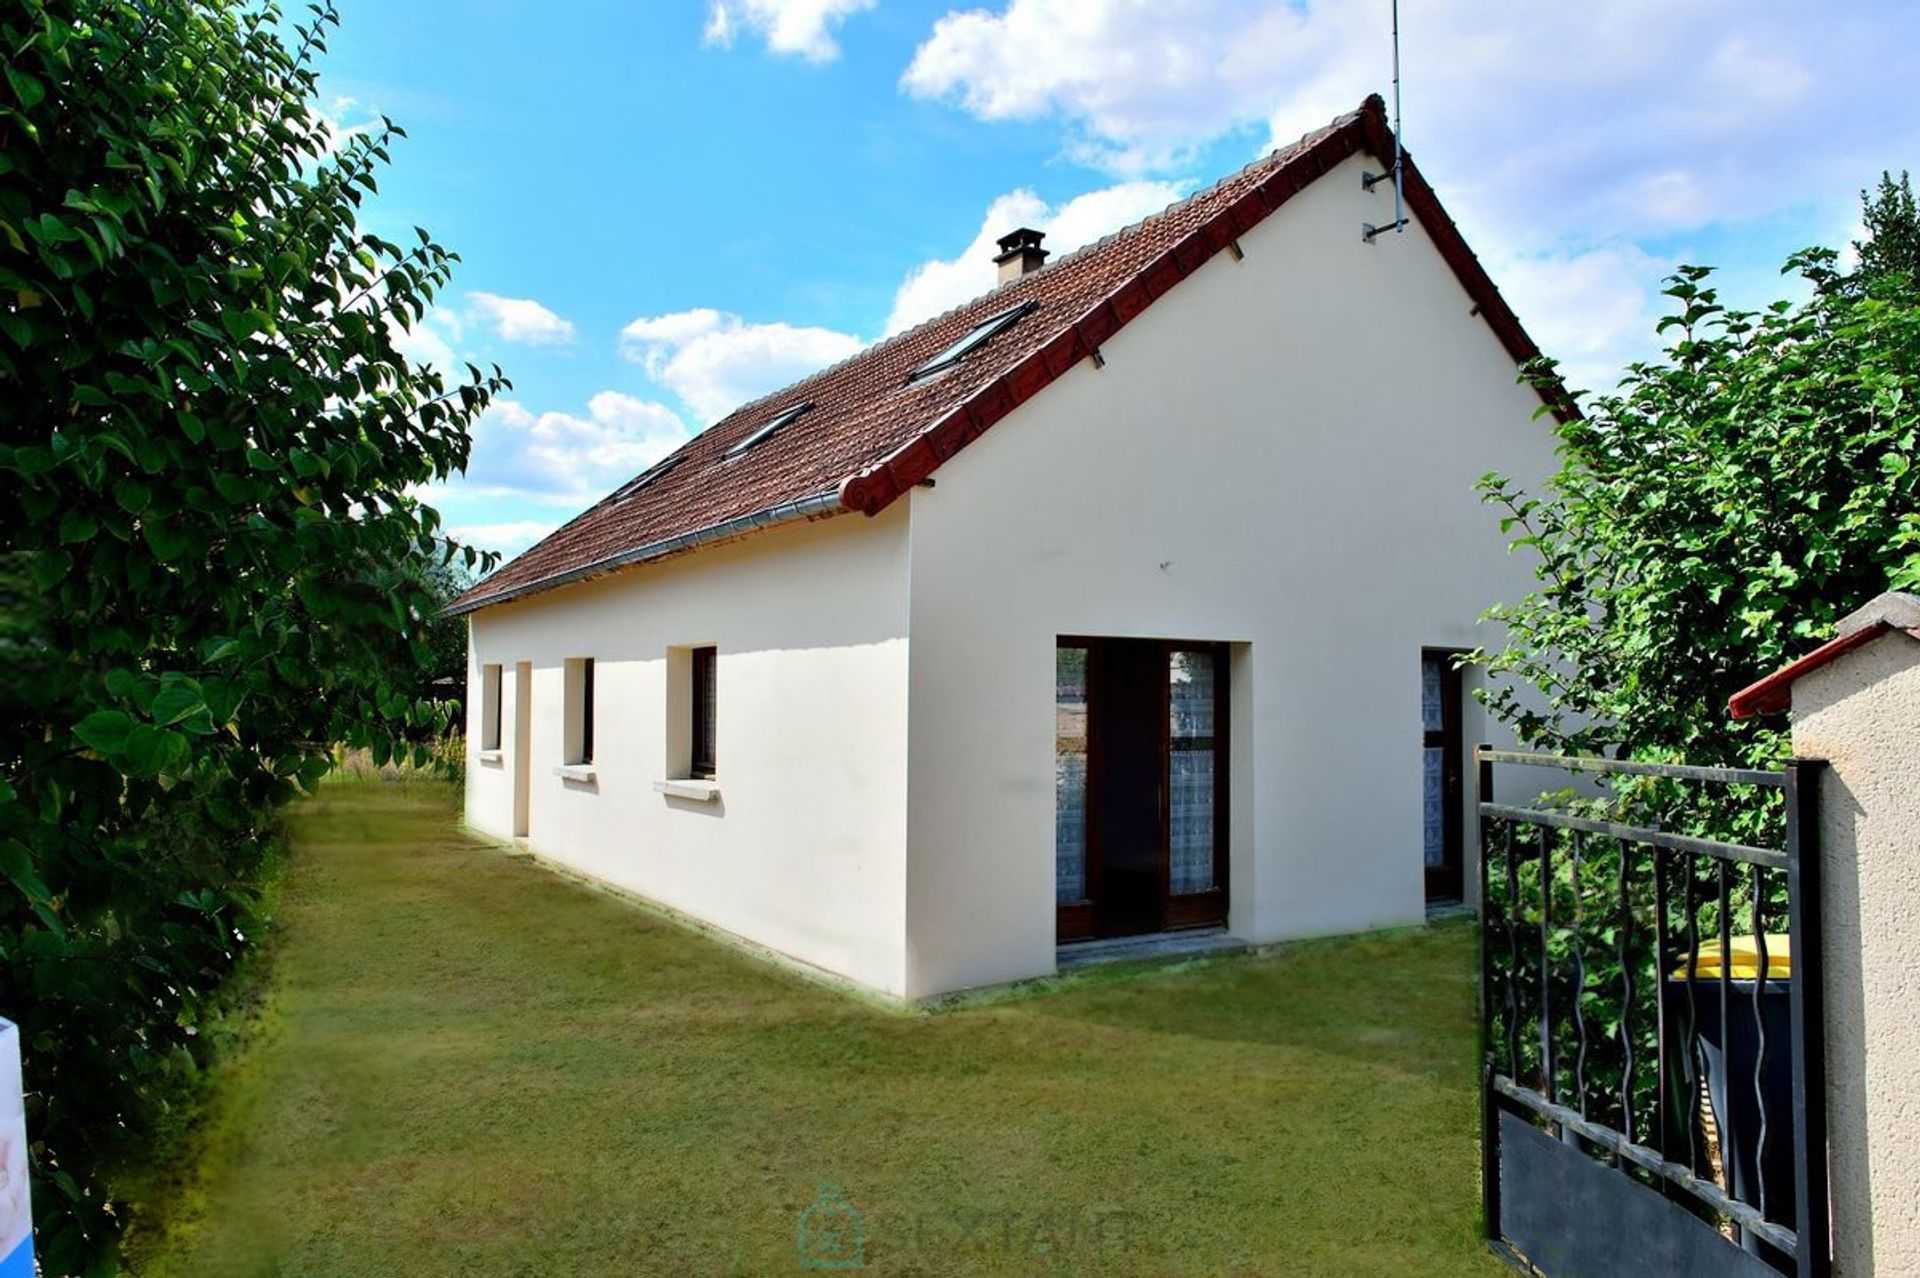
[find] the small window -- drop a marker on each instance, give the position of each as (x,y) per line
(579,725)
(645,477)
(490,707)
(704,687)
(982,333)
(780,419)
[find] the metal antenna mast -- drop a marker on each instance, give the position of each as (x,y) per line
(1369,180)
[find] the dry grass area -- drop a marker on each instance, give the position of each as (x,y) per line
(471,1066)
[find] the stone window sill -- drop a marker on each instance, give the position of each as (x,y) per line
(574,772)
(493,758)
(698,791)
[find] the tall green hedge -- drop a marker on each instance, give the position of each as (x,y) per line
(209,554)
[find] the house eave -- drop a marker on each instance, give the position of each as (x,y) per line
(818,506)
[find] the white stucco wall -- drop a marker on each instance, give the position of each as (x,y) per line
(1280,453)
(1862,715)
(802,852)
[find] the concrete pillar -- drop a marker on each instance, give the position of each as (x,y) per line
(1856,704)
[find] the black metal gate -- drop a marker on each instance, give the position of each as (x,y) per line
(1650,1007)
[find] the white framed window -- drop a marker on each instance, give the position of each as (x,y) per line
(490,706)
(692,711)
(579,712)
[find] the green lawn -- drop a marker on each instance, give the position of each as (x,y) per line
(471,1066)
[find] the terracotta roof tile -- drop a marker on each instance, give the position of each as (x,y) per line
(873,431)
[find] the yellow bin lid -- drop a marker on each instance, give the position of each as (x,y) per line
(1707,962)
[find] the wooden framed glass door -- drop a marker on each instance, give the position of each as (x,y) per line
(1140,786)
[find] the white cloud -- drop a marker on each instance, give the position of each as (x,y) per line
(505,539)
(941,284)
(797,27)
(334,122)
(1139,81)
(519,319)
(715,361)
(555,454)
(1622,117)
(1593,311)
(429,341)
(1556,133)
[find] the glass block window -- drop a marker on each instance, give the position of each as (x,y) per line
(1070,775)
(1432,679)
(1434,803)
(1191,698)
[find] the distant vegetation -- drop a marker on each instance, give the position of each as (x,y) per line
(1724,507)
(211,567)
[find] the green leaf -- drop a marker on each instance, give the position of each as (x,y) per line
(176,702)
(105,730)
(29,90)
(78,525)
(237,489)
(240,324)
(16,865)
(151,751)
(165,538)
(48,567)
(132,497)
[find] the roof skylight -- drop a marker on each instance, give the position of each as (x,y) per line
(982,333)
(780,419)
(644,478)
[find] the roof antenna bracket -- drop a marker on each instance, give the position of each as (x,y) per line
(1368,231)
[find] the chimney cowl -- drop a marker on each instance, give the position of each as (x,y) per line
(1020,253)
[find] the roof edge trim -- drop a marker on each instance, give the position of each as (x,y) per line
(1774,693)
(819,506)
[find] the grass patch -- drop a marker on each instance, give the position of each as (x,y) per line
(477,1067)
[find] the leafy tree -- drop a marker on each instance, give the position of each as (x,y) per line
(208,448)
(1711,518)
(445,663)
(1717,514)
(1892,246)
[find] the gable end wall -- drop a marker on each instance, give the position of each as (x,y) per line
(1280,453)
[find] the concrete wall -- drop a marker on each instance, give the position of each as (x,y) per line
(1861,713)
(1281,453)
(802,849)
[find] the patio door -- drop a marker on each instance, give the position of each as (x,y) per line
(1140,786)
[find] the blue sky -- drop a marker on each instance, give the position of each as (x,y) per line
(667,207)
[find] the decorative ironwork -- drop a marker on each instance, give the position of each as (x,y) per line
(1651,1008)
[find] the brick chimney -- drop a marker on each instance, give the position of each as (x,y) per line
(1020,253)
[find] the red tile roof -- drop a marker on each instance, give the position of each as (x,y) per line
(872,434)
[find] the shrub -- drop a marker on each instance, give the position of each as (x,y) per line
(210,555)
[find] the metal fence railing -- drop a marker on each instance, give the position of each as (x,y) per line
(1650,1005)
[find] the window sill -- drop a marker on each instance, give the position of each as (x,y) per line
(698,791)
(574,772)
(493,758)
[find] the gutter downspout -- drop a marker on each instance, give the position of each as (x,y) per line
(789,512)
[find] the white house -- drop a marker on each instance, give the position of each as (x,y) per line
(1117,600)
